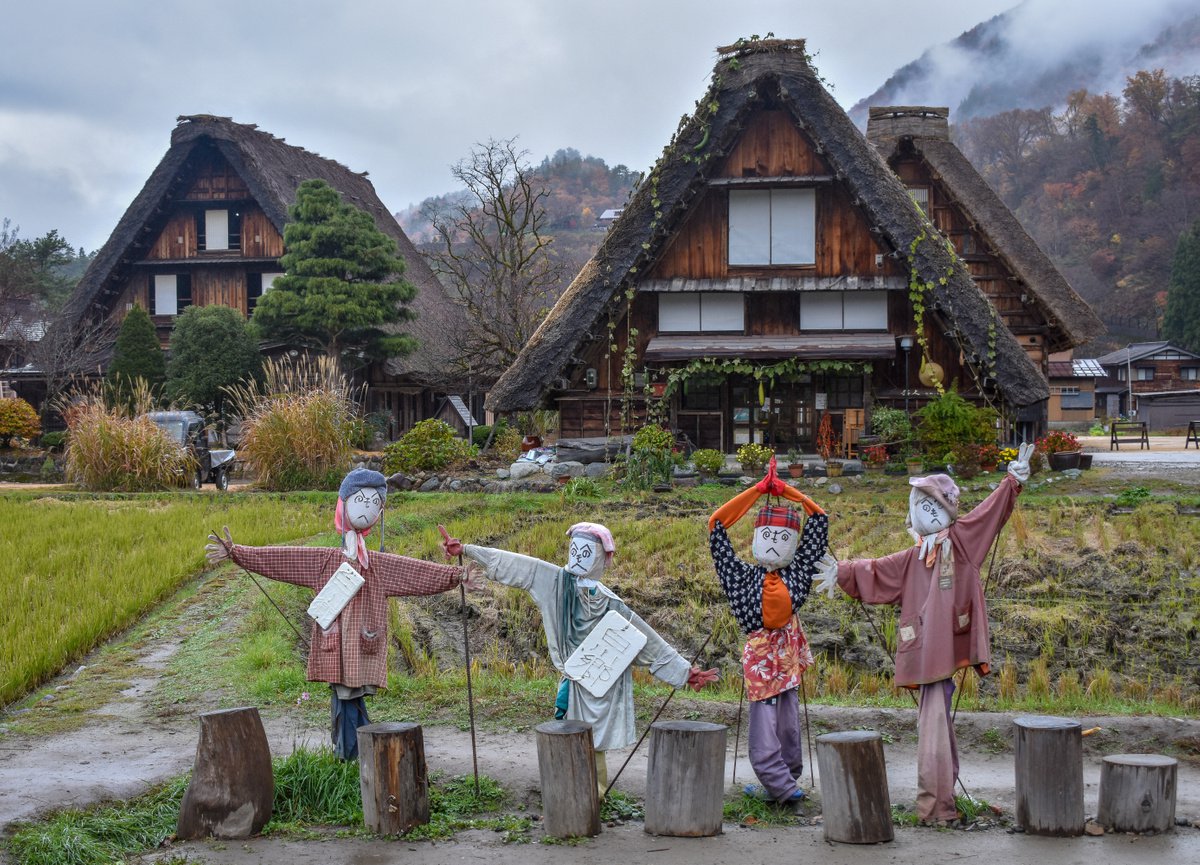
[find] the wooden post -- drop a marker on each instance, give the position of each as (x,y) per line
(392,777)
(1049,769)
(232,784)
(567,766)
(684,782)
(854,787)
(1137,793)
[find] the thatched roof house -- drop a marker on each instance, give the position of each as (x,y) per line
(1005,261)
(208,227)
(767,126)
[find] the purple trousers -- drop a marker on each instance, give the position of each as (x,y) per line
(775,748)
(937,754)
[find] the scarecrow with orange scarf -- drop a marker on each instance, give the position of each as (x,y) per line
(764,598)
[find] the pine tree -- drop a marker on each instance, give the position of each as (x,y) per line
(211,349)
(1181,321)
(341,290)
(137,353)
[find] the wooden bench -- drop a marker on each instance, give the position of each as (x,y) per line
(1129,432)
(1193,435)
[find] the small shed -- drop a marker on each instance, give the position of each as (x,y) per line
(453,410)
(1169,409)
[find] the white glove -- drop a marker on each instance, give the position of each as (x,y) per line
(218,549)
(1019,468)
(827,568)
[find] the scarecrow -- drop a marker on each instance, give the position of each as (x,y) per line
(942,620)
(574,604)
(349,637)
(764,598)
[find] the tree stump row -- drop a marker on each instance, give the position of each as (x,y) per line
(685,778)
(1049,775)
(567,767)
(854,787)
(392,777)
(1137,793)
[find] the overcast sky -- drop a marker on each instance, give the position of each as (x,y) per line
(90,89)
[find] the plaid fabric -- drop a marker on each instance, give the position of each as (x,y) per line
(353,651)
(784,517)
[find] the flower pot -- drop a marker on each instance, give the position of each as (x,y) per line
(530,442)
(833,468)
(1060,461)
(1085,461)
(914,467)
(796,470)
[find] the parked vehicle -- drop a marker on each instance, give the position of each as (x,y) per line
(187,428)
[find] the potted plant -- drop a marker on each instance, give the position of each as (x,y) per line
(1061,448)
(965,459)
(1006,456)
(913,463)
(875,457)
(829,445)
(708,462)
(892,425)
(795,465)
(989,456)
(753,457)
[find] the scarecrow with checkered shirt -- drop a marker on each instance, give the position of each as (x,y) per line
(764,598)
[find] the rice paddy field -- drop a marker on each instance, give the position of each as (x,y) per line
(1093,596)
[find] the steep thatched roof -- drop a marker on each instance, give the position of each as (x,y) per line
(746,76)
(273,170)
(926,130)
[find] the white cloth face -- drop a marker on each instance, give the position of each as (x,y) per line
(774,547)
(363,508)
(927,515)
(585,557)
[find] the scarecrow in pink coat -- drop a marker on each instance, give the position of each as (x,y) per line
(943,623)
(350,652)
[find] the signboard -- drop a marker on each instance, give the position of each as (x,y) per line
(605,653)
(820,401)
(331,600)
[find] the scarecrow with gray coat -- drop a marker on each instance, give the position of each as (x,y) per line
(350,651)
(942,622)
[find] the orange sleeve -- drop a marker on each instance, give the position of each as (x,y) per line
(734,509)
(810,507)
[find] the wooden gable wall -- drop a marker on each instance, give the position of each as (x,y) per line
(772,146)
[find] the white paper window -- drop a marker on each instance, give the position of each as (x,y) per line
(921,194)
(1143,373)
(166,296)
(707,311)
(678,312)
(865,310)
(1190,373)
(268,279)
(821,310)
(216,229)
(772,226)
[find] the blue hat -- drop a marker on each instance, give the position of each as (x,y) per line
(360,478)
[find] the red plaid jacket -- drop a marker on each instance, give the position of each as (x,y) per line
(353,651)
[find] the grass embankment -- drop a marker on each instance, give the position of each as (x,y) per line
(77,569)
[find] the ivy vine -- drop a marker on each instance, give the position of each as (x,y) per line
(763,373)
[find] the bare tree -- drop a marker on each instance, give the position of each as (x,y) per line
(495,257)
(71,350)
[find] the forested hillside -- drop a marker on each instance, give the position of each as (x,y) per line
(1106,187)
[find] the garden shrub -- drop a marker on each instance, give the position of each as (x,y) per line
(52,440)
(431,445)
(650,461)
(891,424)
(753,457)
(708,461)
(950,420)
(17,420)
(110,450)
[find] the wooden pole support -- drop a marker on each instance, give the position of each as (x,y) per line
(1137,792)
(392,777)
(684,782)
(854,787)
(232,784)
(1049,770)
(567,766)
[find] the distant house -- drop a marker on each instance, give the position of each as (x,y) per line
(608,217)
(1150,372)
(207,228)
(761,277)
(1073,385)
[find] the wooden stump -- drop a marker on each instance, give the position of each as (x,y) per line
(685,778)
(854,787)
(392,777)
(567,766)
(1049,768)
(1137,793)
(232,784)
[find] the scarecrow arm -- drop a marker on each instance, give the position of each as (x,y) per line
(401,575)
(814,543)
(975,532)
(876,581)
(733,573)
(659,658)
(300,566)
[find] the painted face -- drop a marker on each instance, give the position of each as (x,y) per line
(585,557)
(927,514)
(363,509)
(774,547)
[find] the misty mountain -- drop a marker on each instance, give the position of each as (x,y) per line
(1040,51)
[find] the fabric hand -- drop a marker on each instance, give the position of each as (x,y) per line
(698,678)
(1019,468)
(451,547)
(218,549)
(473,576)
(827,568)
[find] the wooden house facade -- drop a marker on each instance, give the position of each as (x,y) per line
(1144,369)
(207,228)
(770,269)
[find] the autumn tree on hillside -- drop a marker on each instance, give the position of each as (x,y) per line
(1181,322)
(495,255)
(342,292)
